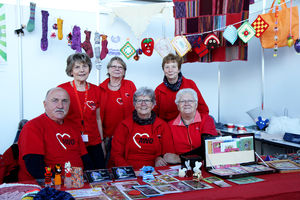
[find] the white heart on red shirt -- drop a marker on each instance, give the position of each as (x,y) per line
(62,135)
(141,135)
(120,101)
(91,105)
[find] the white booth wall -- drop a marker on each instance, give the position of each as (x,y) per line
(240,81)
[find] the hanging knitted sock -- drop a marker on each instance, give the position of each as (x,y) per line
(97,47)
(104,50)
(44,40)
(59,28)
(76,39)
(86,45)
(30,24)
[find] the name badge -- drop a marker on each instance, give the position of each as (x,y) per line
(85,137)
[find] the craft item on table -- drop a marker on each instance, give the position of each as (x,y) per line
(197,175)
(197,185)
(48,175)
(297,46)
(104,50)
(260,26)
(276,32)
(69,38)
(189,171)
(182,172)
(31,21)
(147,45)
(199,47)
(115,39)
(166,189)
(181,45)
(246,180)
(97,175)
(76,39)
(60,28)
(68,174)
(86,45)
(127,50)
(53,32)
(57,177)
(30,194)
(230,34)
(167,178)
(241,129)
(163,47)
(44,40)
(147,190)
(261,123)
(147,173)
(246,32)
(20,31)
(53,194)
(211,41)
(77,177)
(121,173)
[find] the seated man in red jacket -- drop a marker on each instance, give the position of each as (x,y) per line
(49,139)
(189,125)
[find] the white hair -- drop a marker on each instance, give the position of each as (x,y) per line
(190,91)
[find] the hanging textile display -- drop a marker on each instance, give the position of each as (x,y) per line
(199,18)
(3,54)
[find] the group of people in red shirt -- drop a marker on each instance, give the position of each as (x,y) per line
(114,124)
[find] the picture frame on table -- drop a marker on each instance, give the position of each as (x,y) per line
(284,166)
(147,190)
(123,173)
(98,175)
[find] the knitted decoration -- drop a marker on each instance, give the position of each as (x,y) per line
(163,47)
(44,40)
(211,41)
(31,21)
(230,34)
(69,38)
(97,47)
(199,47)
(246,32)
(260,26)
(86,45)
(60,28)
(104,49)
(127,50)
(181,45)
(76,39)
(147,45)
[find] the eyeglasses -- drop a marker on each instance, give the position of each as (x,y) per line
(116,67)
(182,102)
(146,101)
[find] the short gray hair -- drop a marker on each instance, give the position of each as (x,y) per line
(181,92)
(144,91)
(56,88)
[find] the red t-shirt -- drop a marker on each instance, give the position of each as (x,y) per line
(115,115)
(166,108)
(90,118)
(138,145)
(57,143)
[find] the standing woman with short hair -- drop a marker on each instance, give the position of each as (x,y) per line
(85,106)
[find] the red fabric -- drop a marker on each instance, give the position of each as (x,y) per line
(138,145)
(186,139)
(90,118)
(7,163)
(165,106)
(126,91)
(57,143)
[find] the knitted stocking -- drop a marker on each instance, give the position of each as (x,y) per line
(86,45)
(44,40)
(104,49)
(59,28)
(97,47)
(30,24)
(76,39)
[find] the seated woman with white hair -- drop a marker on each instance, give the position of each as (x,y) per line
(189,125)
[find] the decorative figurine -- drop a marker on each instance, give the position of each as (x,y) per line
(189,171)
(182,172)
(147,173)
(57,178)
(68,174)
(48,175)
(262,123)
(20,31)
(197,176)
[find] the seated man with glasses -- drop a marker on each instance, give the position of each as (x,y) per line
(189,125)
(143,139)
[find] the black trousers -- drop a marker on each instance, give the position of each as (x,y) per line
(96,154)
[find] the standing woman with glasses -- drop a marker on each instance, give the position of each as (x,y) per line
(116,97)
(143,139)
(173,81)
(190,125)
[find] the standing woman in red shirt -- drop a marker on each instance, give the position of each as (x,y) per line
(84,108)
(173,81)
(116,101)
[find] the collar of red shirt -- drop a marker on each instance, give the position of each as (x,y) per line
(179,122)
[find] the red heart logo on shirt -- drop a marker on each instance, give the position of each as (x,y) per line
(141,135)
(61,137)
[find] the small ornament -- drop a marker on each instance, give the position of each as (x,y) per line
(136,57)
(54,26)
(276,32)
(68,174)
(199,47)
(260,26)
(211,41)
(140,51)
(57,177)
(53,34)
(163,47)
(48,175)
(230,34)
(182,172)
(69,38)
(127,50)
(297,46)
(246,32)
(147,173)
(261,123)
(181,45)
(147,45)
(290,41)
(197,176)
(20,31)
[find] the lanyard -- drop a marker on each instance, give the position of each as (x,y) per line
(79,105)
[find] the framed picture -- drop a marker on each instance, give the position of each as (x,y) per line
(181,45)
(121,173)
(284,166)
(99,175)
